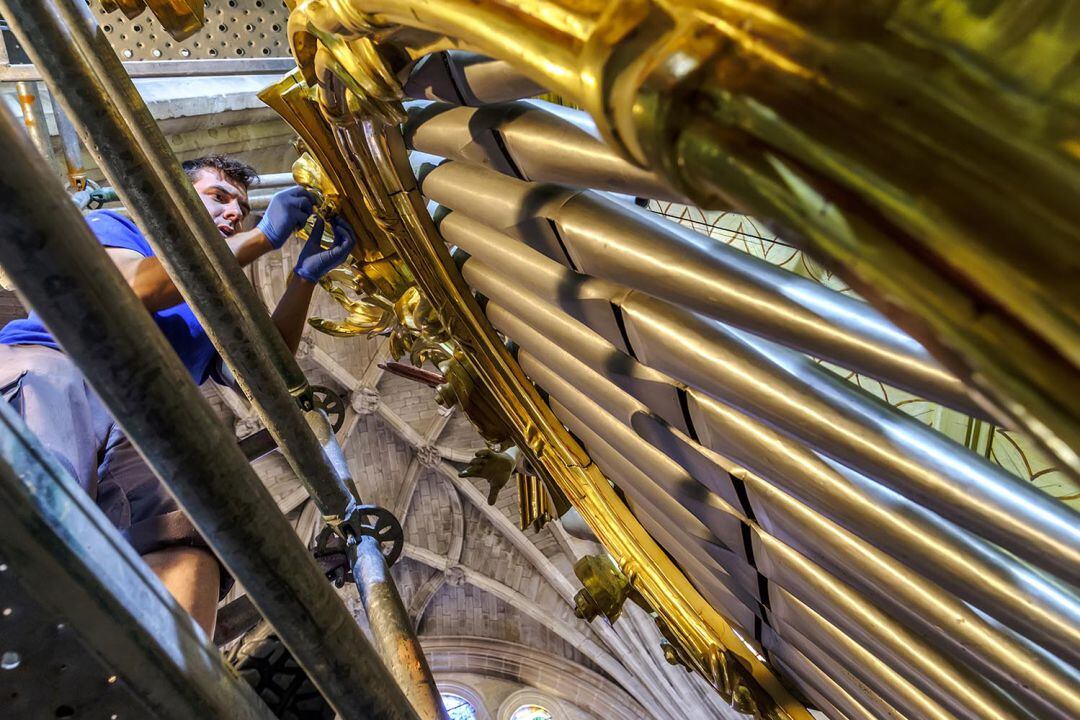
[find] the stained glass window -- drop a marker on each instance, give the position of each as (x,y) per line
(531,712)
(458,708)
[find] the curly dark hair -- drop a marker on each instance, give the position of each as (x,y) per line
(240,173)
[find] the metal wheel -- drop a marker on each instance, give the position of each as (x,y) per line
(380,523)
(330,403)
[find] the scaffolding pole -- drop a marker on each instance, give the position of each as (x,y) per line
(68,278)
(63,40)
(70,146)
(394,633)
(33,116)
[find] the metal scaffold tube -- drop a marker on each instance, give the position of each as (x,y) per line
(73,54)
(67,277)
(63,40)
(596,236)
(394,632)
(70,146)
(33,117)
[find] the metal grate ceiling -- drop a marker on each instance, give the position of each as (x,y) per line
(234,29)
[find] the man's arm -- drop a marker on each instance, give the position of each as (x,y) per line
(288,211)
(291,310)
(313,263)
(154,287)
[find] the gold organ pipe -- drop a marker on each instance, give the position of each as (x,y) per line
(590,301)
(795,621)
(822,123)
(463,78)
(532,140)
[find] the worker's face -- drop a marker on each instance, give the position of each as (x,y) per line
(226,201)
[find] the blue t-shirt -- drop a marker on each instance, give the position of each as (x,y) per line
(178,323)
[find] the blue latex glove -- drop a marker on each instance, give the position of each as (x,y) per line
(287,213)
(314,261)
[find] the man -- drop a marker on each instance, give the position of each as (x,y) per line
(67,417)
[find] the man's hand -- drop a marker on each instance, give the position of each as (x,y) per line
(314,261)
(287,213)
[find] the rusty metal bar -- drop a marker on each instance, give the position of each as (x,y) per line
(391,627)
(33,117)
(394,633)
(70,146)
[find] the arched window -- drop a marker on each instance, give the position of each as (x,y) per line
(531,712)
(458,708)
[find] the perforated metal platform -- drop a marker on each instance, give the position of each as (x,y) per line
(47,670)
(233,29)
(86,629)
(239,37)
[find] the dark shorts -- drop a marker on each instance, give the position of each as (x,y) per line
(60,408)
